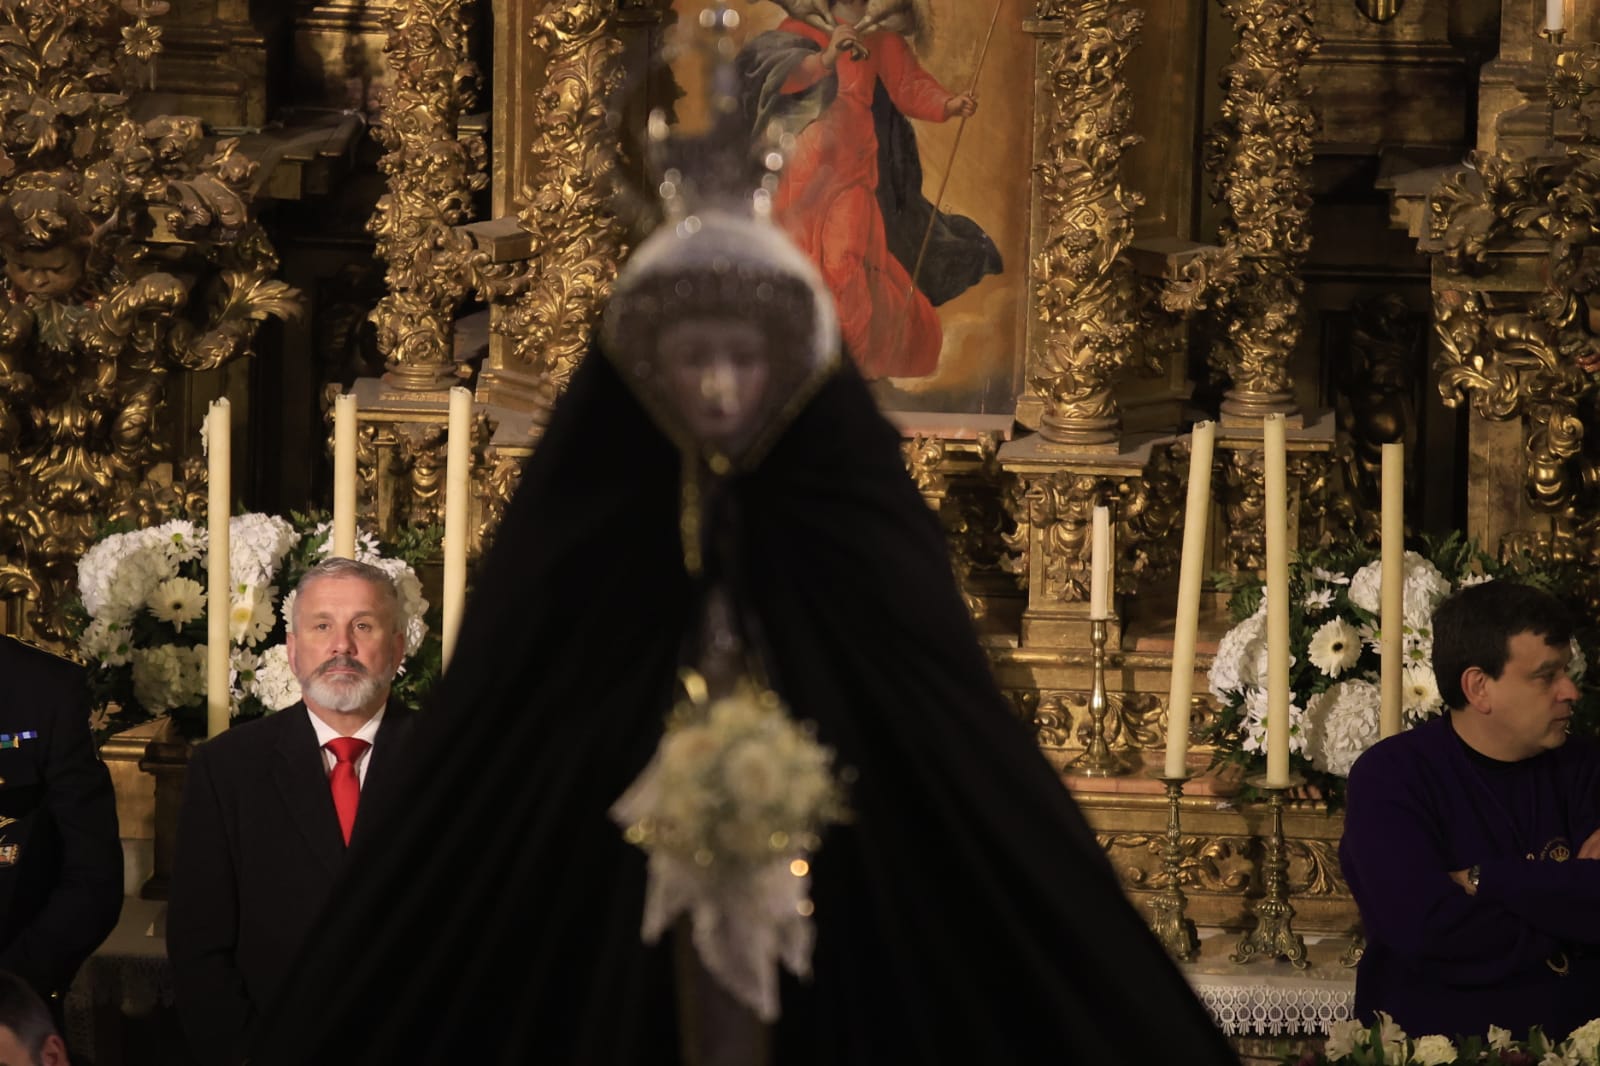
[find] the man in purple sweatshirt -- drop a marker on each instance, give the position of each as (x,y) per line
(1469,840)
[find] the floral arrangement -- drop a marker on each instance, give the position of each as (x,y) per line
(729,810)
(736,784)
(1386,1044)
(1334,657)
(142,616)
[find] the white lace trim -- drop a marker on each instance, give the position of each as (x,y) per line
(1272,1009)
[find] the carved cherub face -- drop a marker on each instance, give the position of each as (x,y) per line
(46,273)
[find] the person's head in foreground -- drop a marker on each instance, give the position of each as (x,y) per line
(28,1036)
(1501,655)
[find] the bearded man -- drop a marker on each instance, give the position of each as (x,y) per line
(270,807)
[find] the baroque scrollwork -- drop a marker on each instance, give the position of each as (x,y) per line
(1376,387)
(577,242)
(432,170)
(1259,156)
(1224,864)
(1244,501)
(1086,293)
(129,252)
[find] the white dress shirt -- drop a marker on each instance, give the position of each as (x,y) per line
(368,733)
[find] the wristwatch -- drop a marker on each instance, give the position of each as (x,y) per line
(1473,873)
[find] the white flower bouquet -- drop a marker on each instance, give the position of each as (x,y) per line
(729,810)
(142,624)
(1386,1044)
(1334,658)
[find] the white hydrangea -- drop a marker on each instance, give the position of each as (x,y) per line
(1341,723)
(117,575)
(412,603)
(167,676)
(1424,587)
(1241,659)
(274,684)
(257,544)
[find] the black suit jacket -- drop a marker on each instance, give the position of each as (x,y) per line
(258,851)
(60,855)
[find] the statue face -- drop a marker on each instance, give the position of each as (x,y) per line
(50,274)
(717,370)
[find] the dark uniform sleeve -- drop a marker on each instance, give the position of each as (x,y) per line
(203,924)
(82,907)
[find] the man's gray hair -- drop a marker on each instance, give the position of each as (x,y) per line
(339,566)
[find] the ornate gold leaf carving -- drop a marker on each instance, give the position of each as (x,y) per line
(432,170)
(1258,156)
(1085,292)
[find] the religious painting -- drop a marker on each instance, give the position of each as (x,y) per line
(906,181)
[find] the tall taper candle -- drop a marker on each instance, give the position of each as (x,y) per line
(1555,15)
(1277,522)
(1196,519)
(457,509)
(344,475)
(219,598)
(1100,565)
(1392,588)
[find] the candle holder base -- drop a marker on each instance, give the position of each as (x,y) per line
(1167,908)
(1356,949)
(1274,936)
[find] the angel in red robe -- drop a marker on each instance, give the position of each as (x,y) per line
(850,194)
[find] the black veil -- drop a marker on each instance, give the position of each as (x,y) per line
(966,915)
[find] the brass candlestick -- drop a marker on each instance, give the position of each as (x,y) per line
(1274,935)
(1167,917)
(1356,949)
(1098,760)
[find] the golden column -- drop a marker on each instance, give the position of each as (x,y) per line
(1258,155)
(1085,293)
(432,171)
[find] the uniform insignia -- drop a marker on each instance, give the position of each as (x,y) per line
(14,740)
(9,853)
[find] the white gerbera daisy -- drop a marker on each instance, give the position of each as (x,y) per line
(1335,647)
(179,600)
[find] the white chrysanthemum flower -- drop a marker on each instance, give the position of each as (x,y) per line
(1433,1051)
(1255,723)
(1344,1038)
(1341,723)
(1499,1039)
(242,667)
(1466,582)
(1419,689)
(752,775)
(1318,600)
(1329,577)
(178,600)
(1584,1042)
(250,616)
(275,684)
(106,642)
(1578,665)
(1423,588)
(180,541)
(1392,1037)
(1335,647)
(1241,659)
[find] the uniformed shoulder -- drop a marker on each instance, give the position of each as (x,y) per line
(19,654)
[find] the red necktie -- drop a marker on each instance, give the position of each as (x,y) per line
(343,782)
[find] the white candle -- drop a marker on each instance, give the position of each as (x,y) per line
(1100,565)
(1196,519)
(219,600)
(1391,597)
(1555,15)
(344,475)
(1276,518)
(457,510)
